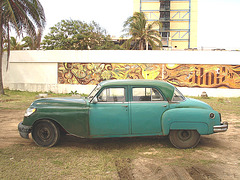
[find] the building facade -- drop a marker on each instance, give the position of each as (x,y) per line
(178,18)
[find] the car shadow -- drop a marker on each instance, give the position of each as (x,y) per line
(114,143)
(210,141)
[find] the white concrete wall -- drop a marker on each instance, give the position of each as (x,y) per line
(41,73)
(37,70)
(211,92)
(127,56)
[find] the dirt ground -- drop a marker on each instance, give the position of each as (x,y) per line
(221,147)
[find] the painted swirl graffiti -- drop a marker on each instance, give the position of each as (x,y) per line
(183,75)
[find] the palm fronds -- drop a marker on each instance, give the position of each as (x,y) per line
(142,32)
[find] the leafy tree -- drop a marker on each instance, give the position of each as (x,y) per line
(23,16)
(28,42)
(77,35)
(142,32)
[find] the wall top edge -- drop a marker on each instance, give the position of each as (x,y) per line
(126,56)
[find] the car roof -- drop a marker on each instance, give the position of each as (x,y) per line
(165,87)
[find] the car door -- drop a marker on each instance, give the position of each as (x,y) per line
(110,115)
(146,107)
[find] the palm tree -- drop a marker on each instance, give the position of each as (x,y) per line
(141,32)
(32,42)
(23,16)
(14,44)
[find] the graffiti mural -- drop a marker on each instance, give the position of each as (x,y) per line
(207,76)
(182,75)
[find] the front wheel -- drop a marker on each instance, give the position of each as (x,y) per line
(184,139)
(45,133)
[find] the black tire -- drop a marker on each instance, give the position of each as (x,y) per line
(184,139)
(45,133)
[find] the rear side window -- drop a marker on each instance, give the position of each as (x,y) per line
(146,94)
(177,96)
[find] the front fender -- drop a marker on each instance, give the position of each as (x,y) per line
(190,119)
(74,120)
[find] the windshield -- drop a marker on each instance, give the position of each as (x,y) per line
(177,96)
(94,91)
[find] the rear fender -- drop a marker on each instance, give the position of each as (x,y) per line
(189,119)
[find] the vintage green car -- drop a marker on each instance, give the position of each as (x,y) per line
(123,108)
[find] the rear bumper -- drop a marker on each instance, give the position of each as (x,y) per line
(221,128)
(24,130)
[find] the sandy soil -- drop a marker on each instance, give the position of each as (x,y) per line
(221,147)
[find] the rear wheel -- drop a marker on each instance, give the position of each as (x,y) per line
(45,133)
(184,139)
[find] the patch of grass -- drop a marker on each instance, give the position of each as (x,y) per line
(88,159)
(91,159)
(21,100)
(223,105)
(184,157)
(95,158)
(54,163)
(17,100)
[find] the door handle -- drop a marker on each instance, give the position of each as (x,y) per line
(124,106)
(164,105)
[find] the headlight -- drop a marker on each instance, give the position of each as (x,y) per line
(29,111)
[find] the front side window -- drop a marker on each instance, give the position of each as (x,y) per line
(94,91)
(146,94)
(177,96)
(112,95)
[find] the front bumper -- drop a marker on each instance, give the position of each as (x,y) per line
(221,128)
(24,130)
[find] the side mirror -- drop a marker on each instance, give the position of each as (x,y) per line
(94,101)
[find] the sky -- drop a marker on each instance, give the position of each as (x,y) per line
(218,20)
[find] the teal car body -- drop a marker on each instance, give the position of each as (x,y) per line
(123,108)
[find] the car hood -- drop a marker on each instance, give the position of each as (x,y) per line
(75,102)
(191,103)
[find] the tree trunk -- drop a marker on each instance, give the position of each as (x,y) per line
(141,45)
(1,51)
(1,73)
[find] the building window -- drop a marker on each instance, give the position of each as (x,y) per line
(165,34)
(165,14)
(166,25)
(165,5)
